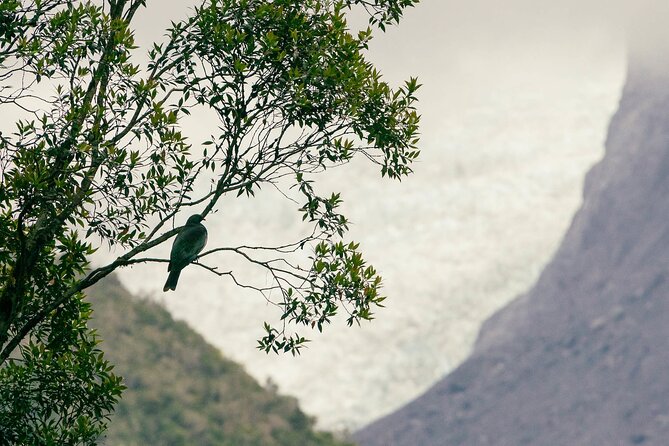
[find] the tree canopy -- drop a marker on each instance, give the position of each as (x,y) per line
(93,152)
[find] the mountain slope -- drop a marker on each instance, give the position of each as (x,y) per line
(582,358)
(181,391)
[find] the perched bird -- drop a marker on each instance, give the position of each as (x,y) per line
(188,244)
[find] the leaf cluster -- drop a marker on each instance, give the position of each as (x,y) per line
(60,390)
(99,153)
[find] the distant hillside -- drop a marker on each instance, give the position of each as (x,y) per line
(181,391)
(582,359)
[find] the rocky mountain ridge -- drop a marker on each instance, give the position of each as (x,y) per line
(581,359)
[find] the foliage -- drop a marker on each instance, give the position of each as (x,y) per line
(63,390)
(97,153)
(182,391)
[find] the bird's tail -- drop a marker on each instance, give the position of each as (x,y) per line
(172,280)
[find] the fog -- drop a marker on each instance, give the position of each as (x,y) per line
(515,103)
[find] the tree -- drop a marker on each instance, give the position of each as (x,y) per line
(97,154)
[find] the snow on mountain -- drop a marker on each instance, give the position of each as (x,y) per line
(581,358)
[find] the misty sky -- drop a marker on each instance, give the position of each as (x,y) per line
(515,102)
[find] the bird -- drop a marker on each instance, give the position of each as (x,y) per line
(187,245)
